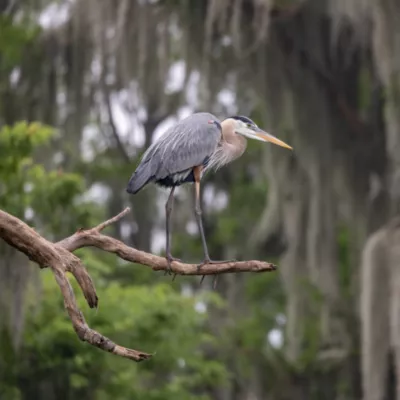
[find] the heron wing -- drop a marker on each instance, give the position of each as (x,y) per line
(186,145)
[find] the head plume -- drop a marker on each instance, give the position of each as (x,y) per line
(244,119)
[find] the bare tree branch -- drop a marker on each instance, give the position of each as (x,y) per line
(59,258)
(93,238)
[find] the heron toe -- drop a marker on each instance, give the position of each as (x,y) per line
(170,260)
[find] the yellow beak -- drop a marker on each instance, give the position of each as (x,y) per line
(269,138)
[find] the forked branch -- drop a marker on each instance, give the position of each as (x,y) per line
(59,258)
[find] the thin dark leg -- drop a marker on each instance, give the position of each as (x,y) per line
(207,259)
(168,211)
(197,210)
(214,280)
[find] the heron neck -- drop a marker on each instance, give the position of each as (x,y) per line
(233,144)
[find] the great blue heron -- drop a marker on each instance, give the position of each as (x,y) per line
(186,151)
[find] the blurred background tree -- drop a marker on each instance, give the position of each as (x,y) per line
(108,77)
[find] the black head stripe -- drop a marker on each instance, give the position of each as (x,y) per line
(243,119)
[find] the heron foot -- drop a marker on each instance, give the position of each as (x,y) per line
(170,260)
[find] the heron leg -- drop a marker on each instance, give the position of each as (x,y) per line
(168,212)
(198,212)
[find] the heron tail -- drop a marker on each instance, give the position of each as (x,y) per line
(139,179)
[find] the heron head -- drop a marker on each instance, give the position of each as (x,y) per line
(246,127)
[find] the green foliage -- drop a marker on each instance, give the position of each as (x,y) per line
(155,319)
(27,185)
(14,39)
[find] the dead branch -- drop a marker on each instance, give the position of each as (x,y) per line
(94,238)
(59,258)
(54,256)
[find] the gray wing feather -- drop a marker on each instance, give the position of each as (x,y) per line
(185,145)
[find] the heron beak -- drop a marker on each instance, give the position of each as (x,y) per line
(266,137)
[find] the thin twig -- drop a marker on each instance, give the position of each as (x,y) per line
(111,221)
